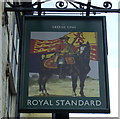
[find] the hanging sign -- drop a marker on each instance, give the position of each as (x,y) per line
(64,65)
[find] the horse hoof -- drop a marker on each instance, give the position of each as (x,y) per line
(40,93)
(83,96)
(74,94)
(47,94)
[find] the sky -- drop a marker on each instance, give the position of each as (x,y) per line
(112,38)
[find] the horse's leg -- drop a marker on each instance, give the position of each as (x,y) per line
(44,85)
(82,81)
(74,84)
(40,82)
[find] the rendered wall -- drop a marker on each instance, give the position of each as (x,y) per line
(7,97)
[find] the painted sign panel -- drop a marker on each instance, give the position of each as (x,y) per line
(64,65)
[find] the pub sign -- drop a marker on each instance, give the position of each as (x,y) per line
(64,64)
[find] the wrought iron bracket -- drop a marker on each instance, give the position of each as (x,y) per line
(62,6)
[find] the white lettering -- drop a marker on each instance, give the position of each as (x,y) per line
(84,103)
(63,27)
(28,102)
(57,103)
(67,103)
(46,103)
(74,102)
(98,103)
(62,102)
(34,102)
(40,102)
(92,102)
(81,102)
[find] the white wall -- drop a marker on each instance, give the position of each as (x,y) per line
(0,60)
(7,99)
(94,72)
(119,58)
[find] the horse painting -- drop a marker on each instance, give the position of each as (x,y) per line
(78,68)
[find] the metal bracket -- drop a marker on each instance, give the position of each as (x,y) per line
(88,8)
(62,6)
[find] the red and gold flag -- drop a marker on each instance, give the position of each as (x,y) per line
(67,44)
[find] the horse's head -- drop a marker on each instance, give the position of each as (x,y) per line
(85,49)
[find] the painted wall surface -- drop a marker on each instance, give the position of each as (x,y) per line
(7,98)
(0,59)
(119,54)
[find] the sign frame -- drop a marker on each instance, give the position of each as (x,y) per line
(48,24)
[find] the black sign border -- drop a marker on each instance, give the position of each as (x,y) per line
(24,50)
